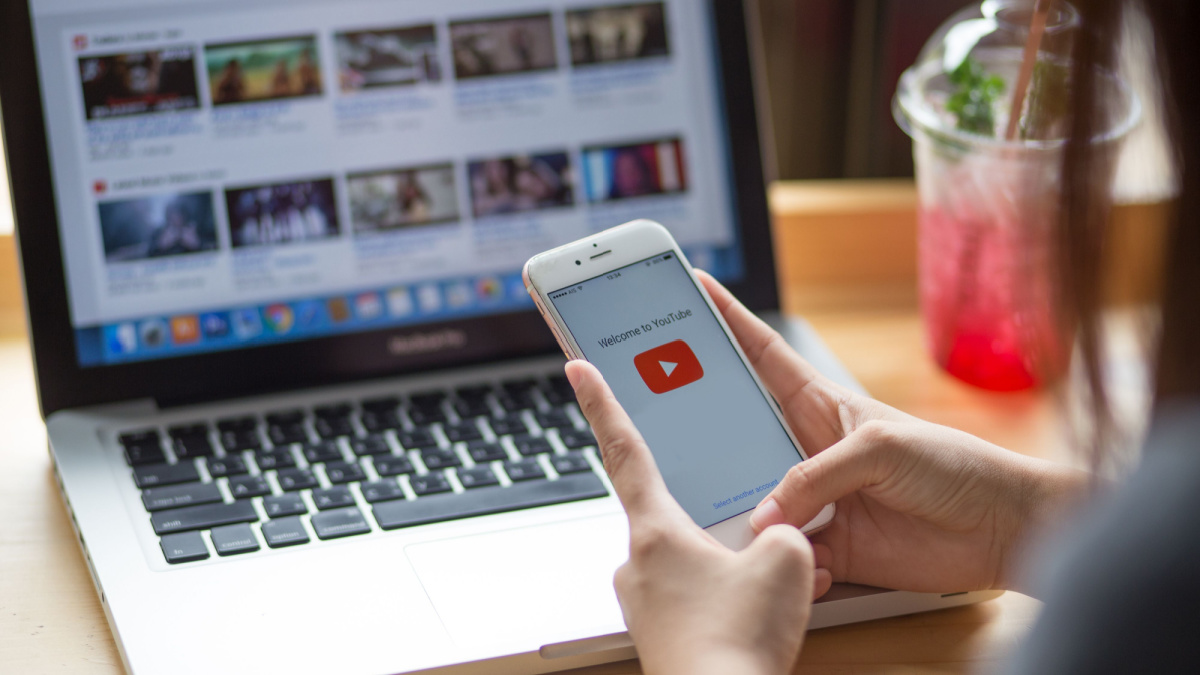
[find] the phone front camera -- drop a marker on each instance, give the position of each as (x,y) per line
(578,262)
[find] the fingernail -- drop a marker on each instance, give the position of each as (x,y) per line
(765,515)
(573,376)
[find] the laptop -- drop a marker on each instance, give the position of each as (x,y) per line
(302,412)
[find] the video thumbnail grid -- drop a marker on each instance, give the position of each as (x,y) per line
(305,210)
(274,68)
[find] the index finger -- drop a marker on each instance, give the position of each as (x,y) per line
(812,411)
(627,459)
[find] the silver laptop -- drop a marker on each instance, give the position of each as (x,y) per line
(302,413)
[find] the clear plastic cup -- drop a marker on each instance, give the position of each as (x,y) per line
(988,207)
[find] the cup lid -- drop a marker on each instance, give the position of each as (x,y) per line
(961,86)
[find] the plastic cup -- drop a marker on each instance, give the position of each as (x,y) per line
(989,210)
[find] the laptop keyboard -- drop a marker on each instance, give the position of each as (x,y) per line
(285,476)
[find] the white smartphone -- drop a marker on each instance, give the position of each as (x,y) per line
(626,300)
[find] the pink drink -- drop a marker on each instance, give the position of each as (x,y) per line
(986,286)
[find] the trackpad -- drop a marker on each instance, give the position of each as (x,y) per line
(520,589)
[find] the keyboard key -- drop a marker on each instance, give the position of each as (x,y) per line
(340,523)
(554,419)
(332,427)
(480,476)
(244,487)
(393,465)
(518,395)
(187,447)
(139,437)
(371,445)
(439,458)
(236,440)
(229,465)
(174,496)
(344,472)
(472,408)
(323,451)
(422,416)
(296,479)
(507,426)
(416,438)
(332,498)
(202,517)
(529,446)
(427,400)
(476,392)
(334,410)
(572,462)
(154,475)
(289,504)
(234,539)
(382,491)
(190,430)
(525,469)
(380,420)
(183,547)
(429,484)
(285,417)
(463,431)
(284,532)
(286,434)
(137,455)
(560,391)
(483,451)
(247,423)
(383,404)
(142,447)
(280,458)
(576,438)
(437,508)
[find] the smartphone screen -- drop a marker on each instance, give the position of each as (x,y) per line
(669,362)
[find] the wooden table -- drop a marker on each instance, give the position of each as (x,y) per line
(51,620)
(864,307)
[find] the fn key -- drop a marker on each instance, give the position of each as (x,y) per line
(183,547)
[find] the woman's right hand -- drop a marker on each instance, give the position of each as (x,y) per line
(920,507)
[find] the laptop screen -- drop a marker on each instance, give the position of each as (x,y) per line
(234,174)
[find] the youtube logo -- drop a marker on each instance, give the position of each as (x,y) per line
(668,367)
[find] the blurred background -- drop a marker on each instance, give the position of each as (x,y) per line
(832,67)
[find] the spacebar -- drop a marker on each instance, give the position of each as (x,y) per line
(483,501)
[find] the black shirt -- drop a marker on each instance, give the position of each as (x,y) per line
(1123,595)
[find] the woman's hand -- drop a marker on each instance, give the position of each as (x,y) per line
(691,604)
(920,507)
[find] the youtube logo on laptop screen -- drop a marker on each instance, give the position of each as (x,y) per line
(716,440)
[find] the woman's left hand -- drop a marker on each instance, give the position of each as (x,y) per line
(691,604)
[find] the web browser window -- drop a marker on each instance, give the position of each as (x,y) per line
(237,173)
(669,362)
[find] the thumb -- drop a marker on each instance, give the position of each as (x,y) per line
(851,464)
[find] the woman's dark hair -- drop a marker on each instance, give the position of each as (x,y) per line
(1086,200)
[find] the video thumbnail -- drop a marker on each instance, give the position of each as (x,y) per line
(266,70)
(389,200)
(137,83)
(387,58)
(158,226)
(634,170)
(617,33)
(503,46)
(520,183)
(283,213)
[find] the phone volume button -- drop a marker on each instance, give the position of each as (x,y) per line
(562,344)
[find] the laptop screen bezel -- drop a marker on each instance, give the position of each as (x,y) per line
(63,384)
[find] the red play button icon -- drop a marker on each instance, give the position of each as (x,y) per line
(668,366)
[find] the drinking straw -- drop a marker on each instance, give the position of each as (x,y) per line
(1037,27)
